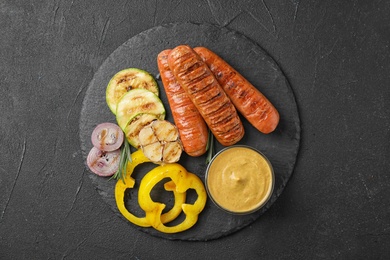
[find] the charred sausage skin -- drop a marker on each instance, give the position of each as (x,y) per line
(248,100)
(191,126)
(202,87)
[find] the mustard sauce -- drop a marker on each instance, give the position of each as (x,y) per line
(240,179)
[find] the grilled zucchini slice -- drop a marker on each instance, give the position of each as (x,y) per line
(135,125)
(126,80)
(138,101)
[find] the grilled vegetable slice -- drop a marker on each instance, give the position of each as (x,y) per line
(138,101)
(107,137)
(172,152)
(126,80)
(103,163)
(135,125)
(160,142)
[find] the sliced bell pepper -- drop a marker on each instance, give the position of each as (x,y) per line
(182,181)
(122,185)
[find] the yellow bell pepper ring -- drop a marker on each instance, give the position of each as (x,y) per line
(183,181)
(122,185)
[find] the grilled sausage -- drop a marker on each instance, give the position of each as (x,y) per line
(190,124)
(207,95)
(248,100)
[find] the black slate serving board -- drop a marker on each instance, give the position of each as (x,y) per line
(281,147)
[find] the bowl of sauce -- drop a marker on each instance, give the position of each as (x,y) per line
(239,179)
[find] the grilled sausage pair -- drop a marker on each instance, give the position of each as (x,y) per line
(204,91)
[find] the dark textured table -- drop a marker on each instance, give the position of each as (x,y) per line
(336,57)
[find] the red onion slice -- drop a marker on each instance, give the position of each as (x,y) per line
(107,137)
(103,163)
